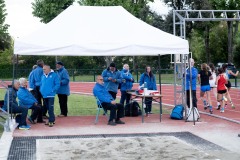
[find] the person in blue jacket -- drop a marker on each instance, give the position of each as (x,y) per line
(11,99)
(193,86)
(112,78)
(108,102)
(148,78)
(34,80)
(126,85)
(64,90)
(27,99)
(50,83)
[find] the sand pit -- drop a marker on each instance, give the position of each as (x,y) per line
(124,148)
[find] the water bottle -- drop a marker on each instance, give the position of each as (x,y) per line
(145,88)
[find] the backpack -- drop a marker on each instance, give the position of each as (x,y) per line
(132,109)
(177,112)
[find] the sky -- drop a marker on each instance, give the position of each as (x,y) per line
(22,22)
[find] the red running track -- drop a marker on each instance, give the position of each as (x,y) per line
(168,98)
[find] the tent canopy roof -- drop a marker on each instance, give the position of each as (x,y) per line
(99,31)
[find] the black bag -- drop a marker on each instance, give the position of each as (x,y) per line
(132,109)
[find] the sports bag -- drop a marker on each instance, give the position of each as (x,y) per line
(132,109)
(177,112)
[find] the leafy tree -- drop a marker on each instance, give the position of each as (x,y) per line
(47,10)
(228,5)
(5,39)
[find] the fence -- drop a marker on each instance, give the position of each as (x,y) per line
(89,75)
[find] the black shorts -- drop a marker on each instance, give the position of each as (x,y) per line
(228,85)
(222,91)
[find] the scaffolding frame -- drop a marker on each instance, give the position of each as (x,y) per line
(180,17)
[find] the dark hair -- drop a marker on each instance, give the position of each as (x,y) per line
(224,67)
(211,67)
(150,73)
(220,70)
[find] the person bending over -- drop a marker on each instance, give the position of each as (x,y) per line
(27,99)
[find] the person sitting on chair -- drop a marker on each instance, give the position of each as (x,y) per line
(108,103)
(11,98)
(27,99)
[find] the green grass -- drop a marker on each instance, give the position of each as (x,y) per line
(79,105)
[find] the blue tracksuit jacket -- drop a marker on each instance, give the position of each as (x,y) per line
(102,94)
(194,78)
(151,81)
(128,84)
(34,77)
(25,97)
(64,81)
(111,86)
(49,85)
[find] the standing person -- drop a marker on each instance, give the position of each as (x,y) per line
(212,83)
(149,78)
(229,85)
(193,86)
(108,102)
(11,99)
(27,99)
(34,85)
(112,78)
(49,85)
(221,81)
(126,85)
(64,90)
(203,77)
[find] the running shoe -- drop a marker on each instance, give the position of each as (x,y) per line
(218,107)
(233,107)
(23,127)
(222,110)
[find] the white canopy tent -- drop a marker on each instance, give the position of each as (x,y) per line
(99,31)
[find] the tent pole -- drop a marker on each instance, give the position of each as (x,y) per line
(160,86)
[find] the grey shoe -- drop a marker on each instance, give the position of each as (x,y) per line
(119,122)
(111,123)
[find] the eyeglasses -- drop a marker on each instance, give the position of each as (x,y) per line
(100,79)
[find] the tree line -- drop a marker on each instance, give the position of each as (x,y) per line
(209,41)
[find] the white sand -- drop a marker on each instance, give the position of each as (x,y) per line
(124,148)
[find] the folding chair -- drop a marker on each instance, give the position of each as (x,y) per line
(99,108)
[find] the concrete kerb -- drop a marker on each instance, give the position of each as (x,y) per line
(5,144)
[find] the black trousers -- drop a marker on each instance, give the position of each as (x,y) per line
(113,108)
(37,94)
(148,102)
(113,94)
(63,99)
(36,113)
(194,98)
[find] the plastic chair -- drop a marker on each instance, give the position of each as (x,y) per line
(99,108)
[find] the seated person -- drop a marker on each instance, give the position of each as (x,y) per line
(108,103)
(13,105)
(28,100)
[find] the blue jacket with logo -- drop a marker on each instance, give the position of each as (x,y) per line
(34,77)
(50,84)
(25,97)
(64,81)
(111,86)
(102,94)
(194,78)
(151,81)
(12,99)
(127,83)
